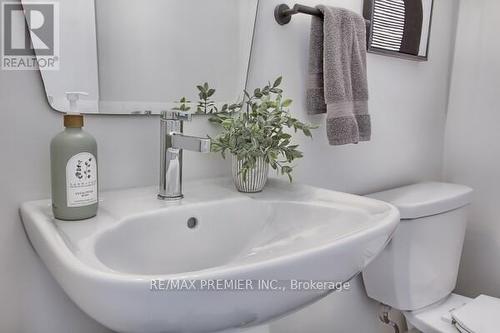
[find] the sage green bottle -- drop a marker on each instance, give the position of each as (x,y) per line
(73,156)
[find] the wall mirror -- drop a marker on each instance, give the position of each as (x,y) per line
(399,28)
(141,57)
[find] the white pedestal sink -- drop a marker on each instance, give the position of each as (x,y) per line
(111,266)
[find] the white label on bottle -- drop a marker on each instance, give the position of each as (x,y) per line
(81,180)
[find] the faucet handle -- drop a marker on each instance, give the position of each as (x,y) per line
(175,115)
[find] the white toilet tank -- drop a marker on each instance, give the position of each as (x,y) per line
(420,265)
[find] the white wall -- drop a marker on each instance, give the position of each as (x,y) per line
(408,102)
(472,152)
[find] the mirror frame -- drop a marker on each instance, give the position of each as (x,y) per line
(368,13)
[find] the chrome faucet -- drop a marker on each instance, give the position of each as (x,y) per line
(172,142)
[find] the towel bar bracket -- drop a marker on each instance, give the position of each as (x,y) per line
(283,13)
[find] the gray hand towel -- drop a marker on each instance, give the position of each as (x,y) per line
(337,75)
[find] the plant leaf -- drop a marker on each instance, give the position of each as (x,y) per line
(277,82)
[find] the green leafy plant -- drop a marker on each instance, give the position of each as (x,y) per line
(205,105)
(257,128)
(183,105)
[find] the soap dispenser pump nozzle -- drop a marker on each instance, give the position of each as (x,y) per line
(73,97)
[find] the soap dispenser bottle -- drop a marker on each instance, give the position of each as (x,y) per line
(73,156)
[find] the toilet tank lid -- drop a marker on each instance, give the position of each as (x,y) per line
(426,199)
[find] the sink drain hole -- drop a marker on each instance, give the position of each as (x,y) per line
(192,222)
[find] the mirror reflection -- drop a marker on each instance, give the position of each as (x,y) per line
(144,57)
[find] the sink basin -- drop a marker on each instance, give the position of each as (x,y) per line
(242,254)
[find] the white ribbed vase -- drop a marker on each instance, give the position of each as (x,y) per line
(256,178)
